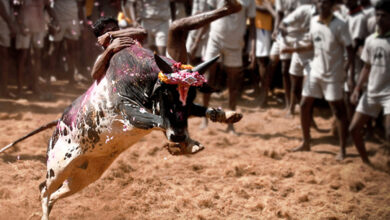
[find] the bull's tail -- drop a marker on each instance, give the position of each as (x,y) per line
(36,131)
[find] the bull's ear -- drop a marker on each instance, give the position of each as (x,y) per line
(164,66)
(201,68)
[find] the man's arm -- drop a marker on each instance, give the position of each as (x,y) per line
(266,7)
(135,33)
(120,39)
(50,11)
(301,49)
(252,40)
(351,67)
(81,14)
(7,18)
(363,78)
(102,62)
(133,14)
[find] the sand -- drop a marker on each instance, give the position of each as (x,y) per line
(250,176)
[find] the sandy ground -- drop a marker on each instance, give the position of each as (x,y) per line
(250,176)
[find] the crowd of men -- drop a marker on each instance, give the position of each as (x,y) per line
(338,50)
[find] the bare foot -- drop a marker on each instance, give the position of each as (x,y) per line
(304,147)
(340,156)
(232,6)
(289,115)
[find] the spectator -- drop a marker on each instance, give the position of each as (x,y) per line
(264,16)
(197,39)
(154,16)
(327,75)
(227,38)
(357,27)
(296,27)
(283,8)
(31,23)
(69,13)
(376,70)
(7,27)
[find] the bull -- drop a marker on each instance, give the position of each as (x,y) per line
(126,104)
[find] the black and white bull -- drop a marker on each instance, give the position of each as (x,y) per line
(125,105)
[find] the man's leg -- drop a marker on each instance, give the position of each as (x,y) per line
(295,94)
(22,57)
(286,81)
(72,56)
(270,70)
(234,83)
(212,76)
(306,109)
(179,29)
(340,114)
(262,64)
(356,129)
(4,72)
(37,69)
(387,127)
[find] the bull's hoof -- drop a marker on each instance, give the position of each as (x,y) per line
(184,148)
(218,115)
(233,117)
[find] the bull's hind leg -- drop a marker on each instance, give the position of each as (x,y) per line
(85,172)
(57,173)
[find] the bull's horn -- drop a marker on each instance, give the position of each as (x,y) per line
(201,68)
(163,65)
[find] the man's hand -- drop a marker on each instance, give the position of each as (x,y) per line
(104,39)
(288,50)
(350,83)
(120,43)
(355,97)
(252,60)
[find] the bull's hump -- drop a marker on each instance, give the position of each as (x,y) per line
(134,62)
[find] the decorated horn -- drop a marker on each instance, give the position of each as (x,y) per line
(163,65)
(201,68)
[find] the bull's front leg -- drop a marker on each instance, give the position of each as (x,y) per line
(216,114)
(140,118)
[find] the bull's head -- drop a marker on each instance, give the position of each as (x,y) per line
(175,93)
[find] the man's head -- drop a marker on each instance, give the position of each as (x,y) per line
(365,3)
(382,15)
(105,24)
(325,7)
(351,4)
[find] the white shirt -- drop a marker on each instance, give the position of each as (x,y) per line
(329,42)
(376,52)
(231,29)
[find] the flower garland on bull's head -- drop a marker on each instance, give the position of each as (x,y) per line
(184,76)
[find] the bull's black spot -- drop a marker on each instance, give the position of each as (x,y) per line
(93,136)
(84,165)
(69,141)
(65,132)
(68,155)
(51,173)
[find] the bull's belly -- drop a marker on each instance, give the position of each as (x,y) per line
(109,142)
